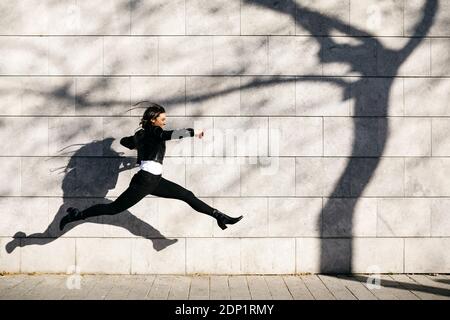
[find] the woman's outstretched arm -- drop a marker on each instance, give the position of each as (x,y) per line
(173,134)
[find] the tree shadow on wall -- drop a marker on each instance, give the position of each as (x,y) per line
(85,177)
(362,58)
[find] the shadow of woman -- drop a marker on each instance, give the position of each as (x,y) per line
(84,177)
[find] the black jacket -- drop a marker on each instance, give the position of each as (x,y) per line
(150,142)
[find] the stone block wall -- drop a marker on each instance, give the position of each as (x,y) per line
(326,125)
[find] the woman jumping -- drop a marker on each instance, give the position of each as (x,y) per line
(150,143)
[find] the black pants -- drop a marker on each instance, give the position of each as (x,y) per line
(144,183)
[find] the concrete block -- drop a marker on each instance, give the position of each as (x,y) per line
(206,17)
(307,255)
(80,134)
(97,17)
(207,176)
(170,92)
(309,24)
(241,136)
(344,255)
(296,136)
(440,220)
(255,221)
(146,260)
(111,255)
(102,96)
(268,176)
(441,137)
(294,56)
(212,96)
(25,214)
(214,256)
(350,217)
(63,18)
(75,55)
(386,176)
(349,136)
(314,255)
(405,136)
(86,17)
(424,255)
(48,96)
(268,255)
(377,97)
(383,254)
(319,176)
(267,96)
(267,18)
(177,219)
(240,55)
(17,18)
(379,18)
(338,51)
(130,55)
(35,176)
(27,136)
(320,98)
(440,56)
(12,175)
(11,92)
(54,257)
(294,217)
(9,262)
(21,55)
(404,217)
(418,63)
(158,17)
(414,11)
(426,176)
(191,55)
(427,97)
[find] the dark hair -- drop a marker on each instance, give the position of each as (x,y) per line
(152,112)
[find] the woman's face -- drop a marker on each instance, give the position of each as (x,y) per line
(160,121)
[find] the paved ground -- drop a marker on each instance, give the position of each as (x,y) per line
(95,287)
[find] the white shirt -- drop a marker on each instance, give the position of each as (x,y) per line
(151,166)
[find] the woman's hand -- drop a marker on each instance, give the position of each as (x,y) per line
(199,133)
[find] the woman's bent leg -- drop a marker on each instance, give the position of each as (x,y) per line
(140,185)
(127,199)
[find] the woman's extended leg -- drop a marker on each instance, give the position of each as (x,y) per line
(169,189)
